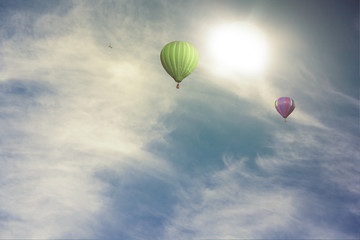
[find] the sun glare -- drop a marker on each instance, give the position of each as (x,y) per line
(238,48)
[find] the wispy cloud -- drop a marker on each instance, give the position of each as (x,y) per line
(79,121)
(306,187)
(72,109)
(301,190)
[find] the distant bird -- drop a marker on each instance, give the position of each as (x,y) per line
(110,45)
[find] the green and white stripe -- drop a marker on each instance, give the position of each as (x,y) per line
(179,59)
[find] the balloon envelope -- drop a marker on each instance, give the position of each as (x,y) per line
(285,106)
(179,59)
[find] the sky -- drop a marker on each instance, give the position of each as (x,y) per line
(97,143)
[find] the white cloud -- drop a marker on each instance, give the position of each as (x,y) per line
(99,110)
(237,204)
(285,194)
(100,107)
(289,192)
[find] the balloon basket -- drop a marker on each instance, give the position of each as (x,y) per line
(178,86)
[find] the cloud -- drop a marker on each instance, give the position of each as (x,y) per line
(307,188)
(74,109)
(233,205)
(81,125)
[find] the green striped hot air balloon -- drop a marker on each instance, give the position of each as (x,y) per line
(179,59)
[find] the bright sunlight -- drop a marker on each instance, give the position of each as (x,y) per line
(238,48)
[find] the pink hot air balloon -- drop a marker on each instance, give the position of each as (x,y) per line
(285,106)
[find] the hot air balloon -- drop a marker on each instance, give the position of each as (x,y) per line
(285,106)
(179,59)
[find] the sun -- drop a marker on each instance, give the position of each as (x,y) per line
(238,48)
